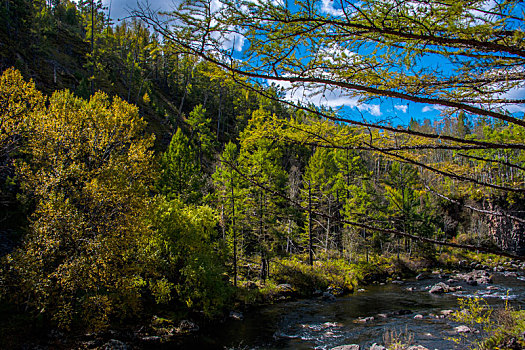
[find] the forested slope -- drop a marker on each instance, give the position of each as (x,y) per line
(136,177)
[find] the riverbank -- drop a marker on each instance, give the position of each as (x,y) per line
(290,279)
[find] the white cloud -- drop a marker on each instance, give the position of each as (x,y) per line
(402,108)
(431,108)
(328,7)
(328,98)
(373,109)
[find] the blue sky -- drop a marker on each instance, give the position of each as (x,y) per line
(390,110)
(120,8)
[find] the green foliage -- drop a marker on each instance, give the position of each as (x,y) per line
(323,274)
(87,169)
(189,255)
(476,315)
(492,328)
(180,174)
(201,132)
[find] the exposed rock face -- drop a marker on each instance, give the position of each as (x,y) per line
(508,233)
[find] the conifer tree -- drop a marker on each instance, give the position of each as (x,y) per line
(180,175)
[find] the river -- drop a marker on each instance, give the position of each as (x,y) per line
(318,324)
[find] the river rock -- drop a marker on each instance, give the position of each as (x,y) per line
(447,312)
(462,329)
(236,315)
(399,313)
(417,347)
(397,282)
(347,347)
(381,315)
(472,282)
(151,339)
(440,288)
(418,317)
(361,290)
(410,289)
(114,344)
(327,296)
(285,290)
(364,319)
(377,347)
(475,277)
(186,326)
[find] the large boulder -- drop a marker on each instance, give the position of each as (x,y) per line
(440,288)
(284,291)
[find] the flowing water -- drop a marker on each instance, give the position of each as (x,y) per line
(318,324)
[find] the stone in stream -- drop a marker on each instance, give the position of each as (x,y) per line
(377,347)
(114,344)
(186,326)
(151,339)
(364,319)
(417,347)
(421,276)
(475,277)
(236,315)
(361,290)
(447,312)
(418,317)
(347,347)
(440,288)
(462,329)
(328,296)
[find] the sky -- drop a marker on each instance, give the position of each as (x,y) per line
(390,110)
(120,8)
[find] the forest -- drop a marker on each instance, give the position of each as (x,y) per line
(150,167)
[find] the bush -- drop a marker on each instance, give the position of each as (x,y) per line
(323,274)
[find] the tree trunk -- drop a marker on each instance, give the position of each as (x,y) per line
(234,238)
